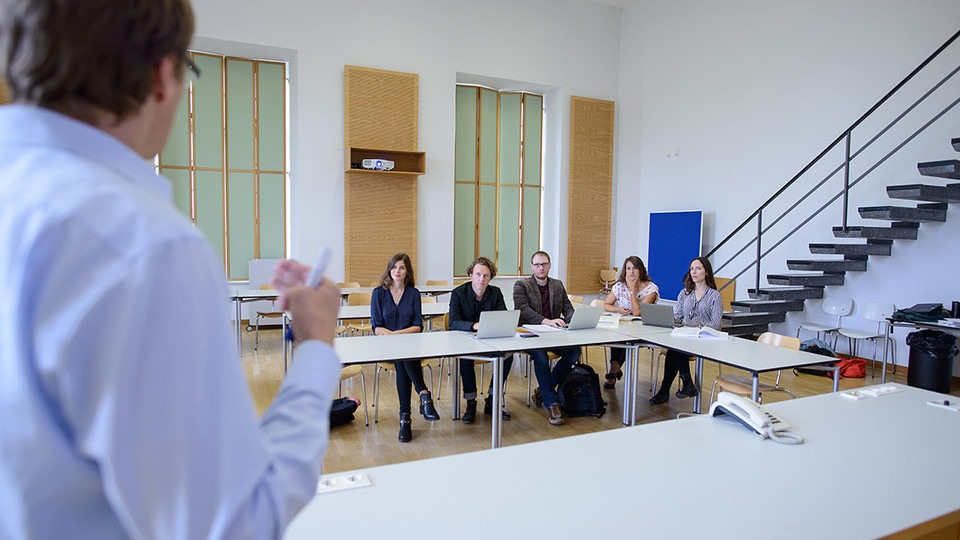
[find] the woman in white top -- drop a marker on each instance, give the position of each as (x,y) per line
(698,304)
(633,287)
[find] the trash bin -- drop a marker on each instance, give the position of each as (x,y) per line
(931,360)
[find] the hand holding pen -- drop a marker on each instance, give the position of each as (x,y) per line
(311,300)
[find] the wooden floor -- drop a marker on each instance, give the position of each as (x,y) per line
(355,445)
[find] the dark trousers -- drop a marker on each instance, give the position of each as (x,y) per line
(469,377)
(617,355)
(676,362)
(409,373)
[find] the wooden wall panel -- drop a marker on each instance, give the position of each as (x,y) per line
(380,209)
(591,185)
(380,109)
(4,93)
(381,220)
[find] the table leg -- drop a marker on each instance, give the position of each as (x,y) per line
(698,374)
(455,388)
(628,367)
(755,391)
(236,303)
(497,401)
(883,372)
(283,342)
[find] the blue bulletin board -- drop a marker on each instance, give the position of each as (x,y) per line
(675,239)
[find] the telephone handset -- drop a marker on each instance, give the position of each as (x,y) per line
(754,417)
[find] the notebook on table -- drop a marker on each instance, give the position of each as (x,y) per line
(496,324)
(657,315)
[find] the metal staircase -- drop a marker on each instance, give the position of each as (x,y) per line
(770,304)
(788,291)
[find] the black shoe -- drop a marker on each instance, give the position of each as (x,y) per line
(488,408)
(660,397)
(470,414)
(406,433)
(427,409)
(689,390)
(537,397)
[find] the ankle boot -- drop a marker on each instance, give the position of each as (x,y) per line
(661,396)
(688,390)
(426,407)
(470,414)
(406,433)
(488,408)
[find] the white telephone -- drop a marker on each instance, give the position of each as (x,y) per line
(754,417)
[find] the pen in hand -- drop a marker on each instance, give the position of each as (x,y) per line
(314,279)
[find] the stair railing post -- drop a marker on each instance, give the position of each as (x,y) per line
(846,180)
(759,232)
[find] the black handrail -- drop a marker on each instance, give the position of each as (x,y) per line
(836,141)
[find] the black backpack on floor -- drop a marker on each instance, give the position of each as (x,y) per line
(579,392)
(342,411)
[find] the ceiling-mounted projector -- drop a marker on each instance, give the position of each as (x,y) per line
(378,164)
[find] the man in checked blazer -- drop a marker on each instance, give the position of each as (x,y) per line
(543,300)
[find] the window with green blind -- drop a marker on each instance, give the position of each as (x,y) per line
(226,158)
(497,172)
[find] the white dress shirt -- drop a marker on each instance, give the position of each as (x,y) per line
(125,409)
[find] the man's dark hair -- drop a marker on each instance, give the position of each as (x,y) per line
(73,56)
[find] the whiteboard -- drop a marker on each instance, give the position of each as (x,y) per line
(675,240)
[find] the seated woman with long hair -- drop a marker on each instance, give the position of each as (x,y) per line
(633,287)
(698,304)
(395,309)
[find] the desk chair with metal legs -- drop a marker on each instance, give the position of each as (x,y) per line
(743,384)
(273,314)
(834,305)
(876,312)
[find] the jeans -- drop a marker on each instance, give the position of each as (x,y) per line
(469,377)
(548,379)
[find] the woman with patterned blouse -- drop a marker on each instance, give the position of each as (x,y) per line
(633,287)
(698,305)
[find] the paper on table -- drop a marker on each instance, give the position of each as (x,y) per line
(609,320)
(541,328)
(705,332)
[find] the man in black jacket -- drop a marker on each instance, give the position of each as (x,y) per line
(466,303)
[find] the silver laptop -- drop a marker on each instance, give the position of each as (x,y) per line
(585,317)
(494,324)
(657,315)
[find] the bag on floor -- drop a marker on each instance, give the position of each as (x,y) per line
(579,392)
(342,411)
(852,368)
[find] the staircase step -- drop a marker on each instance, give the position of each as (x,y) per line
(949,168)
(767,305)
(923,192)
(899,230)
(744,329)
(923,212)
(749,317)
(870,248)
(786,293)
(844,265)
(956,144)
(808,280)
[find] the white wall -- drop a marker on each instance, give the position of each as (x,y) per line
(569,45)
(750,91)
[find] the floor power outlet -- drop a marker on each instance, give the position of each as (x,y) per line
(329,484)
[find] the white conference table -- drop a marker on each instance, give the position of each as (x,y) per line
(242,296)
(736,352)
(400,347)
(827,487)
(575,338)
